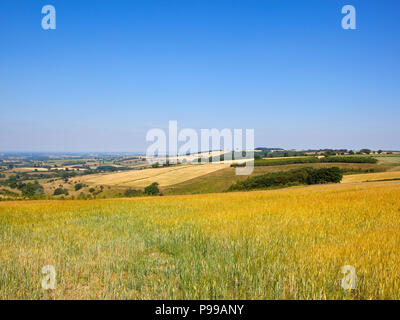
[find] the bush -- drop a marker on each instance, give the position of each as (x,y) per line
(155,165)
(329,153)
(111,168)
(78,186)
(59,191)
(292,177)
(132,193)
(67,174)
(31,189)
(366,151)
(152,189)
(324,175)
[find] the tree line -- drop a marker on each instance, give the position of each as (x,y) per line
(303,176)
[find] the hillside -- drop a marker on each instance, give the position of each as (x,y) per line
(221,180)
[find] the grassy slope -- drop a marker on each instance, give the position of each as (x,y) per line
(389,160)
(221,180)
(256,245)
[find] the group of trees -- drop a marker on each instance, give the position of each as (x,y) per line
(301,176)
(28,189)
(365,151)
(111,168)
(300,160)
(277,162)
(151,190)
(59,191)
(132,193)
(278,152)
(347,159)
(164,164)
(31,189)
(330,152)
(78,186)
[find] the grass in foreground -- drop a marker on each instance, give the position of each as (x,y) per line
(258,245)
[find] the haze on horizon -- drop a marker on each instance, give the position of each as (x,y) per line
(112,71)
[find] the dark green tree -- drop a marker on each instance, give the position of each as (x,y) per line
(152,189)
(365,151)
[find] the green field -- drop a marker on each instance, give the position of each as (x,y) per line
(389,160)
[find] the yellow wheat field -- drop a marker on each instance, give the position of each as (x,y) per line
(282,244)
(391,175)
(142,178)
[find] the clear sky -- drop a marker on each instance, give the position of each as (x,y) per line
(114,69)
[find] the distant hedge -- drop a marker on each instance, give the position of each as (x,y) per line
(132,193)
(301,176)
(349,159)
(111,168)
(342,159)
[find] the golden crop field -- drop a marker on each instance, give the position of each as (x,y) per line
(390,175)
(142,178)
(281,244)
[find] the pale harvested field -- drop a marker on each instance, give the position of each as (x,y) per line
(25,169)
(371,177)
(142,178)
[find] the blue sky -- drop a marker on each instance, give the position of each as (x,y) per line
(112,70)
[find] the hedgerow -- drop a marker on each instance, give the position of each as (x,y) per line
(303,176)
